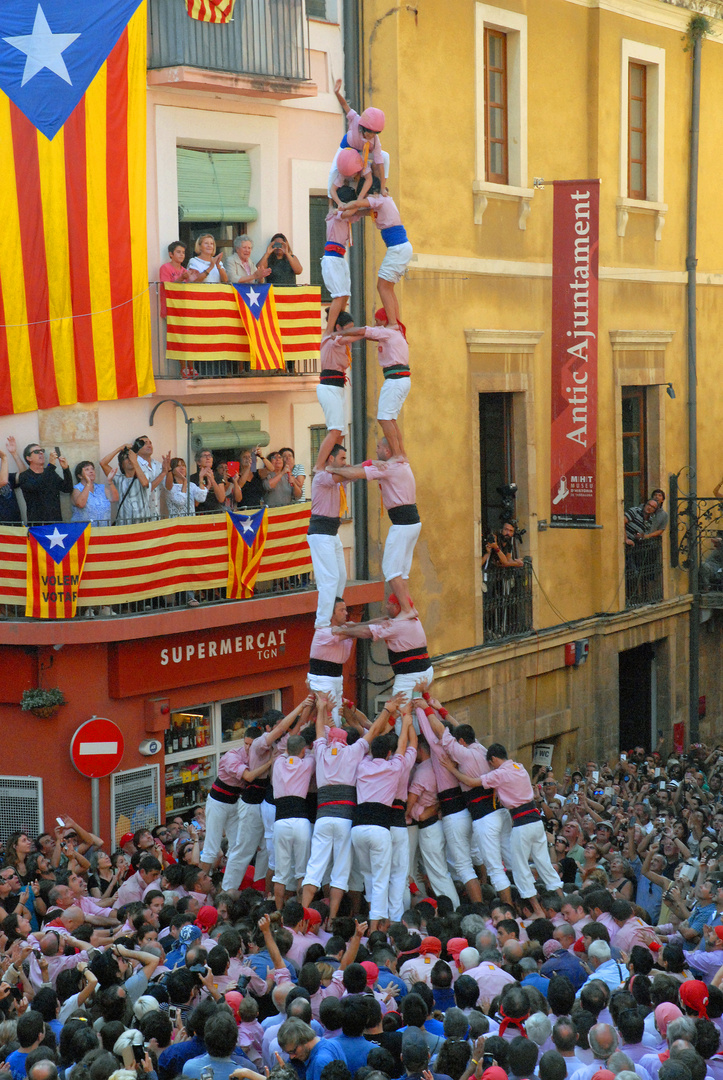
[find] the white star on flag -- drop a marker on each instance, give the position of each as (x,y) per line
(56,538)
(43,49)
(247,525)
(253,298)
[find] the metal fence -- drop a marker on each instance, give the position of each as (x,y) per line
(644,573)
(507,601)
(697,524)
(264,37)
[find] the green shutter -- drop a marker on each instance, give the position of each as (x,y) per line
(214,185)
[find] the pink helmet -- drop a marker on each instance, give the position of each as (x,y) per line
(372,119)
(349,162)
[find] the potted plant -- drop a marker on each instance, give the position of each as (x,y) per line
(43,703)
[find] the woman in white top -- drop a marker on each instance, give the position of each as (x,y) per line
(240,267)
(206,265)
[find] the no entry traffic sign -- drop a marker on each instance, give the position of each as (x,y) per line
(96,748)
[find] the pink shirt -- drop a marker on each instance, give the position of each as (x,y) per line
(131,891)
(325,497)
(337,227)
(238,970)
(403,785)
(630,934)
(512,782)
(401,634)
(384,211)
(471,759)
(328,646)
(445,779)
(392,348)
(233,765)
(259,751)
(251,1034)
(418,970)
(377,778)
(424,785)
(355,139)
(335,354)
(292,776)
(490,979)
(338,764)
(396,482)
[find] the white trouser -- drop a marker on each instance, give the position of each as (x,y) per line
(431,845)
(330,843)
(529,842)
(492,833)
(249,836)
(399,872)
(373,848)
(405,684)
(268,816)
(399,550)
(327,557)
(333,685)
(458,838)
(220,818)
(292,844)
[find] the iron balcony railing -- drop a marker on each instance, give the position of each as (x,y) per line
(264,37)
(697,524)
(507,602)
(644,573)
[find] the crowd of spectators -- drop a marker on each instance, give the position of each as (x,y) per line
(137,966)
(140,487)
(277,266)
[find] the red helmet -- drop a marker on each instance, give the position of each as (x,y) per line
(372,119)
(349,161)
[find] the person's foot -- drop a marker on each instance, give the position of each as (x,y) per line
(193,603)
(90,613)
(108,611)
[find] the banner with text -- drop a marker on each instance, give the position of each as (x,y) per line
(573,450)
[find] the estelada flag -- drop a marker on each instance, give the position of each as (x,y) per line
(212,11)
(56,557)
(74,307)
(246,541)
(258,311)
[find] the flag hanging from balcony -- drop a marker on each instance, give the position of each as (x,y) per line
(258,314)
(246,542)
(55,561)
(74,309)
(212,11)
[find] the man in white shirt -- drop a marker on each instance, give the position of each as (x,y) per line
(155,471)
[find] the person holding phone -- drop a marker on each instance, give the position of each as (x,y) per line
(42,485)
(280,261)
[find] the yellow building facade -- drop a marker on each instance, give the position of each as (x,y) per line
(481,99)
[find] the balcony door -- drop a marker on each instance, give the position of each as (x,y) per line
(497,466)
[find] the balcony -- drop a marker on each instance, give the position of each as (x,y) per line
(698,524)
(507,603)
(644,573)
(263,50)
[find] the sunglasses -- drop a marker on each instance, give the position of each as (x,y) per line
(38,450)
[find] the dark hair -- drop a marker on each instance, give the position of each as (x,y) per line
(30,1027)
(355,979)
(330,1012)
(28,448)
(335,450)
(221,1035)
(453,1058)
(353,1017)
(523,1056)
(414,1011)
(466,992)
(499,1048)
(380,746)
(157,1025)
(552,1066)
(496,750)
(560,994)
(176,243)
(631,1026)
(79,468)
(343,318)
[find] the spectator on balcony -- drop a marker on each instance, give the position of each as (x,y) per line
(711,570)
(639,522)
(249,482)
(280,488)
(155,471)
(502,550)
(177,484)
(9,508)
(41,485)
(91,501)
(173,270)
(298,472)
(131,484)
(240,267)
(283,266)
(206,266)
(216,489)
(659,522)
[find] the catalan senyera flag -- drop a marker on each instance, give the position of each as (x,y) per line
(246,542)
(74,307)
(212,11)
(258,314)
(55,560)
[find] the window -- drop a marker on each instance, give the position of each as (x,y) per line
(637,130)
(134,800)
(634,446)
(21,805)
(496,442)
(195,739)
(317,434)
(496,106)
(318,209)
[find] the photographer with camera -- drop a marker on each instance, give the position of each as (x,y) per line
(502,549)
(154,471)
(283,265)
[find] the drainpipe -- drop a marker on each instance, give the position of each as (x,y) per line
(353,84)
(697,29)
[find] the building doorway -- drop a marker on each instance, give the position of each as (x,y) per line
(637,697)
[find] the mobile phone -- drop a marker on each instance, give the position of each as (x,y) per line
(233,468)
(488,1061)
(687,872)
(656,774)
(614,800)
(574,800)
(595,775)
(576,787)
(57,451)
(172,1013)
(60,822)
(623,757)
(626,804)
(139,1052)
(661,785)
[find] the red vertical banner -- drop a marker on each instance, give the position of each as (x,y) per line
(574,334)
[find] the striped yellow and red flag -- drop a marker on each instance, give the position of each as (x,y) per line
(74,307)
(257,306)
(246,542)
(55,560)
(211,11)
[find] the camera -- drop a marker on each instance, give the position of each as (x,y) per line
(278,245)
(138,445)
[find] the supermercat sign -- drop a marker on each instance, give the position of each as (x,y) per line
(206,656)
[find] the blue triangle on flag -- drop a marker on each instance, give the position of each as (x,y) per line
(254,297)
(51,50)
(58,539)
(247,525)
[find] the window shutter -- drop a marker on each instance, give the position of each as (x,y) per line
(214,185)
